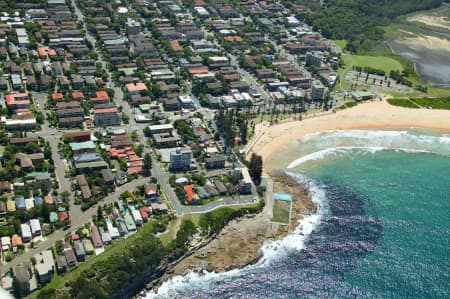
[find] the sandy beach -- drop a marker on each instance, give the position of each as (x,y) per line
(269,140)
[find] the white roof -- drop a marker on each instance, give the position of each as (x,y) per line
(113,231)
(161,127)
(185,99)
(26,231)
(29,203)
(6,241)
(136,215)
(44,262)
(35,225)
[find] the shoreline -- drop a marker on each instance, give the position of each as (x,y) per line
(240,242)
(270,139)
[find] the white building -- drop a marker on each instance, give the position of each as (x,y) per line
(201,11)
(136,216)
(35,227)
(29,203)
(44,266)
(22,37)
(186,102)
(26,232)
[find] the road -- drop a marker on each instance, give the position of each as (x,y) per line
(85,217)
(53,136)
(80,218)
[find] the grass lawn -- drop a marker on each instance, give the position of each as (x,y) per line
(347,105)
(281,211)
(384,63)
(438,103)
(173,227)
(341,43)
(403,103)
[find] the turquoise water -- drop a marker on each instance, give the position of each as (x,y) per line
(410,194)
(382,228)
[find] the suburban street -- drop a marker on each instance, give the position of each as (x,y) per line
(78,217)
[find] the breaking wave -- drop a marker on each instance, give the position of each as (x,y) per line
(345,149)
(272,251)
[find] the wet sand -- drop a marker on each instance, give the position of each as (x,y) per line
(430,54)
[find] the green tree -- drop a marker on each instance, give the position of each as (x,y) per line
(255,168)
(147,166)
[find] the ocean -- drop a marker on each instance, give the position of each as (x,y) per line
(381,231)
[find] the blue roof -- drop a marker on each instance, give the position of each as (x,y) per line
(282,196)
(38,200)
(20,202)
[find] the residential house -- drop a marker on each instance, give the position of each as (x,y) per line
(61,264)
(35,226)
(70,256)
(150,190)
(96,238)
(26,232)
(80,252)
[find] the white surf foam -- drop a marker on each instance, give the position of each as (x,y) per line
(272,250)
(381,135)
(295,241)
(319,155)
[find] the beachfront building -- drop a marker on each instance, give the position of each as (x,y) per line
(318,91)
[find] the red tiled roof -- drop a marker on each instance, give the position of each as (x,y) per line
(102,95)
(105,110)
(189,190)
(41,51)
(144,212)
(77,94)
(57,96)
(198,71)
(17,98)
(16,241)
(175,46)
(136,87)
(133,170)
(48,199)
(63,216)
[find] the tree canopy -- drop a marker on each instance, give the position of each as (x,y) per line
(359,21)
